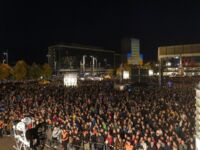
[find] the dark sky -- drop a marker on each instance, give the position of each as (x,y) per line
(27,28)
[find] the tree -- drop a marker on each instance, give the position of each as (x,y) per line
(28,75)
(127,67)
(120,70)
(147,65)
(20,70)
(46,70)
(35,71)
(109,72)
(5,71)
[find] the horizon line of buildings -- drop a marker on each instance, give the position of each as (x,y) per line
(178,59)
(82,57)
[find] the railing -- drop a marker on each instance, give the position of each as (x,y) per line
(56,144)
(84,146)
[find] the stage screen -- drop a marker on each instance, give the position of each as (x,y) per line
(70,79)
(126,75)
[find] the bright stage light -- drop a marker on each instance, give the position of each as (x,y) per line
(150,72)
(168,64)
(121,87)
(126,75)
(70,79)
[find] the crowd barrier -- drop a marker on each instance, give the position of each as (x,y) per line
(84,146)
(57,145)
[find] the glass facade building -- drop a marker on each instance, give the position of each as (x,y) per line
(71,57)
(183,59)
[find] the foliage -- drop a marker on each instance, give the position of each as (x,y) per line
(125,67)
(109,72)
(35,71)
(20,70)
(46,70)
(119,71)
(5,71)
(29,76)
(147,65)
(23,71)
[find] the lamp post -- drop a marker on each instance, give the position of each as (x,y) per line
(181,66)
(93,61)
(84,56)
(121,73)
(6,55)
(99,66)
(160,72)
(81,66)
(96,64)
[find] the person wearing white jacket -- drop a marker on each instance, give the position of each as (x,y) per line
(56,136)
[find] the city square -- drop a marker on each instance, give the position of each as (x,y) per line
(95,75)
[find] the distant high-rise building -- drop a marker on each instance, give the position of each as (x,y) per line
(131,51)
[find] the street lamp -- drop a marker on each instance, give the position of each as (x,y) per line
(157,65)
(6,55)
(99,66)
(84,56)
(160,72)
(93,61)
(168,64)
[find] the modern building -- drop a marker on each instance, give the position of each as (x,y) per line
(131,51)
(179,59)
(75,57)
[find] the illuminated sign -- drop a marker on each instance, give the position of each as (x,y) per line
(150,72)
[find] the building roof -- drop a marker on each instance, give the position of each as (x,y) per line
(80,46)
(179,50)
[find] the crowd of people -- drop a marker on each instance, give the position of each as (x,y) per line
(95,116)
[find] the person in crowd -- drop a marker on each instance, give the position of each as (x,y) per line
(86,140)
(65,138)
(1,127)
(56,135)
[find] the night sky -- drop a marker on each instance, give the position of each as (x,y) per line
(27,28)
